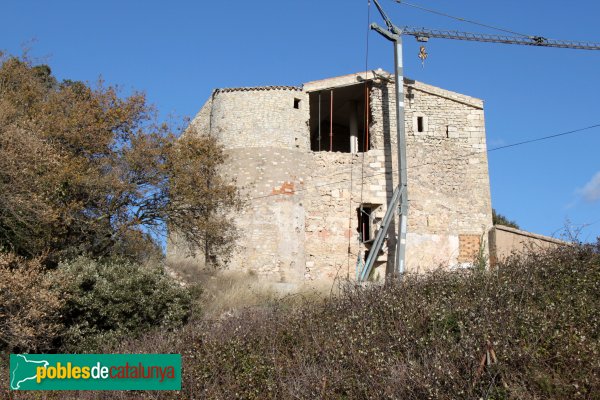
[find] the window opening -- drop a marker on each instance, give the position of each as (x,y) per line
(364,223)
(367,223)
(296,103)
(419,124)
(342,114)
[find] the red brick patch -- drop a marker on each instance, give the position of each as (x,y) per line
(468,247)
(286,188)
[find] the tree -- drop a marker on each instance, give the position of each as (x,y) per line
(499,219)
(84,171)
(194,174)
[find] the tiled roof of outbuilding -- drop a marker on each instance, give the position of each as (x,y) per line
(258,88)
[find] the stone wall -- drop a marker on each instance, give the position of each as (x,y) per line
(301,223)
(259,117)
(506,241)
(448,176)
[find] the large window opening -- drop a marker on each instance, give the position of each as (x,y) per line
(338,119)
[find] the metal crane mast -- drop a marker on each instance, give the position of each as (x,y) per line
(400,196)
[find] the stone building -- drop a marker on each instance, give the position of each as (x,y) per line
(318,163)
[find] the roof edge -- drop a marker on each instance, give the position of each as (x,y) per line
(357,78)
(257,88)
(531,234)
(447,94)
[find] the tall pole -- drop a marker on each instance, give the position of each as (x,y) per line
(319,121)
(331,120)
(353,123)
(401,137)
(394,35)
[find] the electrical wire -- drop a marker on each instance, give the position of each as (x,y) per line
(544,138)
(433,162)
(402,2)
(365,141)
(345,171)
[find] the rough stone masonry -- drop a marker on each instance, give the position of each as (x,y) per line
(318,163)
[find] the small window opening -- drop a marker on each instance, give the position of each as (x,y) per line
(296,103)
(420,124)
(339,119)
(367,222)
(364,223)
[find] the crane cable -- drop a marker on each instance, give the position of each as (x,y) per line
(364,150)
(365,141)
(402,2)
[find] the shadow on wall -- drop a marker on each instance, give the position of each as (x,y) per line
(389,176)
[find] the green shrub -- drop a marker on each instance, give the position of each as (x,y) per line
(499,219)
(108,300)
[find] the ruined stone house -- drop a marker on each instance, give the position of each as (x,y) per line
(318,163)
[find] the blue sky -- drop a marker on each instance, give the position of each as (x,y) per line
(178,51)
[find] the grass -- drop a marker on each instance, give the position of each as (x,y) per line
(225,293)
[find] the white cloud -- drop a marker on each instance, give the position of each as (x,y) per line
(591,190)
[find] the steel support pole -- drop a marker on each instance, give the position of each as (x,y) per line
(331,120)
(319,121)
(402,175)
(353,124)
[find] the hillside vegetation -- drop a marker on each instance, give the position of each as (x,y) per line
(89,184)
(85,171)
(526,330)
(90,180)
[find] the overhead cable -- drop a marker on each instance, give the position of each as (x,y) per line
(433,162)
(460,19)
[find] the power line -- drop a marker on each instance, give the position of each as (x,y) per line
(544,138)
(347,171)
(429,163)
(514,144)
(402,2)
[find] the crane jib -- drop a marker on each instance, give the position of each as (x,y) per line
(423,34)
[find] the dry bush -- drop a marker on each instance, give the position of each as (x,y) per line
(30,306)
(226,292)
(222,292)
(423,338)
